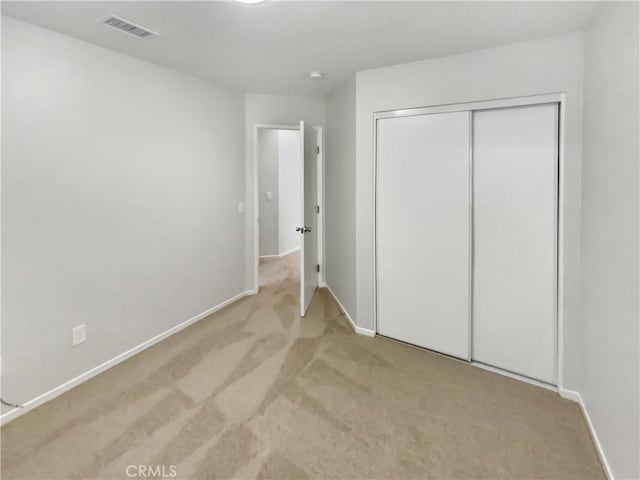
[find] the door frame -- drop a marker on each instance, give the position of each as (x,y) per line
(320,199)
(256,198)
(555,98)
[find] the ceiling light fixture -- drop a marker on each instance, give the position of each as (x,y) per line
(316,75)
(249,2)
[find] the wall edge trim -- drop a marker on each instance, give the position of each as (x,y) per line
(359,330)
(576,397)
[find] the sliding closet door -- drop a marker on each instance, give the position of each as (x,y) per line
(515,158)
(423,224)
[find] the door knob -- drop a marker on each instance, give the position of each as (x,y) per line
(306,229)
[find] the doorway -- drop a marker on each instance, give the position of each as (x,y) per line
(288,224)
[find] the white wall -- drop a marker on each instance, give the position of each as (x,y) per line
(120,188)
(268,181)
(340,194)
(289,203)
(279,110)
(610,235)
(528,68)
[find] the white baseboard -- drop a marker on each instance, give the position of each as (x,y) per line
(283,254)
(365,331)
(60,389)
(576,397)
(570,395)
(357,329)
(289,252)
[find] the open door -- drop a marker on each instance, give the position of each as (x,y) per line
(309,216)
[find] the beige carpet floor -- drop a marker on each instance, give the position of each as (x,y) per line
(254,391)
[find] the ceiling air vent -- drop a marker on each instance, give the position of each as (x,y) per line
(127,27)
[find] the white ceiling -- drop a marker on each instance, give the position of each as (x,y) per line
(269,48)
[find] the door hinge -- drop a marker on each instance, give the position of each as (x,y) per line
(317,208)
(318,149)
(318,268)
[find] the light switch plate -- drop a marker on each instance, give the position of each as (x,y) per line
(241,207)
(268,195)
(79,334)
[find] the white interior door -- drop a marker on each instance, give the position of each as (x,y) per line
(423,224)
(309,216)
(515,186)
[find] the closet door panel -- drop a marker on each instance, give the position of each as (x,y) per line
(515,160)
(423,225)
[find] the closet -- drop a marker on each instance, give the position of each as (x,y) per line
(466,234)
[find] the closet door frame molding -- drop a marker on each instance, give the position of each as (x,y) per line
(550,98)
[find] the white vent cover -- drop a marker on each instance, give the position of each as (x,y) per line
(128,27)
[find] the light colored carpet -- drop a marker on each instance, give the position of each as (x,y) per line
(255,391)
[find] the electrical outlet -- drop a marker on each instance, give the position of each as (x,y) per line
(79,334)
(241,207)
(268,195)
